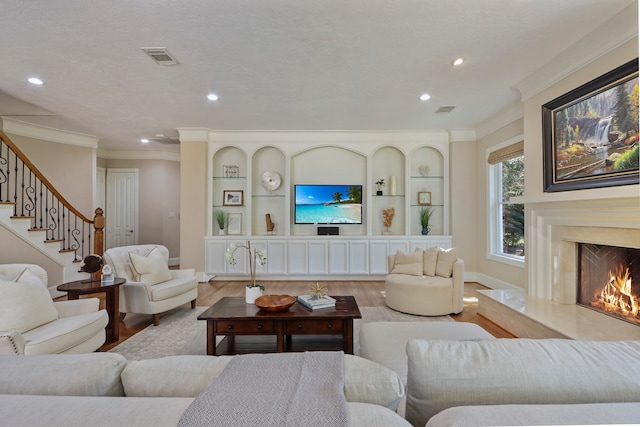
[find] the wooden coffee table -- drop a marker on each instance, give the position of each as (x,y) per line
(296,329)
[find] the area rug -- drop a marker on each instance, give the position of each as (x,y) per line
(180,332)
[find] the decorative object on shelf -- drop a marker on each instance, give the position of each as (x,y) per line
(271,180)
(270,224)
(233,198)
(425,218)
(107,277)
(393,185)
(380,184)
(275,302)
(230,171)
(234,223)
(424,170)
(387,218)
(318,290)
(221,220)
(256,257)
(424,198)
(91,264)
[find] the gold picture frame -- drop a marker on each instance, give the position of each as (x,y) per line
(424,198)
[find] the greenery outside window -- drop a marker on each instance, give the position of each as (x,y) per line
(506,219)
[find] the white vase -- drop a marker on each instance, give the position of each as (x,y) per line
(221,232)
(252,293)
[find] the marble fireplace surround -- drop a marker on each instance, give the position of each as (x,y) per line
(547,308)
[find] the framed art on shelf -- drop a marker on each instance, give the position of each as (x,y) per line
(424,198)
(234,223)
(233,198)
(590,134)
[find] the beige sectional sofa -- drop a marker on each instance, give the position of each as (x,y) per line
(104,389)
(522,382)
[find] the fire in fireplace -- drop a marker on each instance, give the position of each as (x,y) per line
(606,280)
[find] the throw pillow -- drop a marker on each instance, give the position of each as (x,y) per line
(25,306)
(408,263)
(151,269)
(29,277)
(430,260)
(446,259)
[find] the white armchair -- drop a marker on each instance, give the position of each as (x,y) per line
(32,323)
(151,288)
(426,283)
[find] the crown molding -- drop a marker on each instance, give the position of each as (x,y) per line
(502,118)
(618,30)
(138,155)
(462,135)
(18,127)
(327,136)
(193,134)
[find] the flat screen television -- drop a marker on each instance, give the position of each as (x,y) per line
(328,204)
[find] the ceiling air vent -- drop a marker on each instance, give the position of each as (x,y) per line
(163,139)
(160,55)
(445,109)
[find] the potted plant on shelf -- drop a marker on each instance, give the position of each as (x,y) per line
(380,184)
(256,257)
(425,217)
(221,219)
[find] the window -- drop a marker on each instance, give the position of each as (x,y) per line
(506,219)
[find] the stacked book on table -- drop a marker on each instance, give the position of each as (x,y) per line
(315,303)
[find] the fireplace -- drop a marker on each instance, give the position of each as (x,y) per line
(609,280)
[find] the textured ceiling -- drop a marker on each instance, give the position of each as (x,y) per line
(277,64)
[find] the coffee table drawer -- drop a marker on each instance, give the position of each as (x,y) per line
(327,326)
(244,327)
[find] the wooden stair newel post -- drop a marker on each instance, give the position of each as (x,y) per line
(98,237)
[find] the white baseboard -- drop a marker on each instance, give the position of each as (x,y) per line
(174,261)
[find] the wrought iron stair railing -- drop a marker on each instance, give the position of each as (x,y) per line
(33,196)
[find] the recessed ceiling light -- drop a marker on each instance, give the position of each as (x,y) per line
(144,140)
(212,97)
(425,97)
(35,81)
(458,61)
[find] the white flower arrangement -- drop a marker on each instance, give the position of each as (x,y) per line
(256,257)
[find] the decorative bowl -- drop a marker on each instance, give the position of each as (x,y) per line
(275,302)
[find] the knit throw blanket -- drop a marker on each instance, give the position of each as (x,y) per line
(283,389)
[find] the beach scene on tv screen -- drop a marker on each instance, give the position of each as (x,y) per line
(328,204)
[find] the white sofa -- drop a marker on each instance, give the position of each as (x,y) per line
(104,389)
(151,288)
(32,323)
(522,382)
(425,282)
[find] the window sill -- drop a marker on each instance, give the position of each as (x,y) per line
(506,259)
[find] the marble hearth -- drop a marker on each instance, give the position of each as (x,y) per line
(547,308)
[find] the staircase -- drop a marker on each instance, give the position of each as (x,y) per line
(36,213)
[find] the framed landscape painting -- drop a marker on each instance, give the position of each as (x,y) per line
(590,135)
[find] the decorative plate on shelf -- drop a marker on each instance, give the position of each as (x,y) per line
(271,180)
(275,302)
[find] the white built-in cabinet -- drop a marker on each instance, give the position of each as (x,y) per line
(317,256)
(294,250)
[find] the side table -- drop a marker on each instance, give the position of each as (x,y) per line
(112,300)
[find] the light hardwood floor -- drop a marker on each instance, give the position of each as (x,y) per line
(367,294)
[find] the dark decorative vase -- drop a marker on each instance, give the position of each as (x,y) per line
(426,230)
(379,193)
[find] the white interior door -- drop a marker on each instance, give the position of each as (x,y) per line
(122,207)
